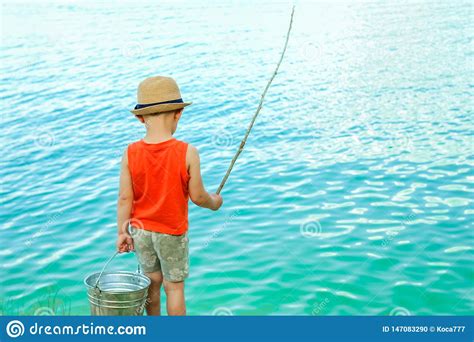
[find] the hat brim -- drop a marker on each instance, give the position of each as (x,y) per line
(160,108)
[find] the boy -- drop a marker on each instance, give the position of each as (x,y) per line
(158,175)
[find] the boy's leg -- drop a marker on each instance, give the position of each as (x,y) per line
(150,264)
(174,261)
(175,304)
(153,306)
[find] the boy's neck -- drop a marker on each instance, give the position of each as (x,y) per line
(157,132)
(157,136)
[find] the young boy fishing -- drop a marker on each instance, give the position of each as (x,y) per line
(158,175)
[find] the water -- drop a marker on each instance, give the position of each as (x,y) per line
(353,195)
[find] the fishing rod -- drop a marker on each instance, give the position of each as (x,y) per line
(244,140)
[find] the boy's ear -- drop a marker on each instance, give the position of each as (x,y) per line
(178,113)
(140,117)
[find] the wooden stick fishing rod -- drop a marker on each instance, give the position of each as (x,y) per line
(244,140)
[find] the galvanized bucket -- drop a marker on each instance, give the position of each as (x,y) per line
(117,293)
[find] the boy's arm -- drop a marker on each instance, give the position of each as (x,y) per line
(197,192)
(124,207)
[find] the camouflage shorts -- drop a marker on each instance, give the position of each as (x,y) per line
(162,252)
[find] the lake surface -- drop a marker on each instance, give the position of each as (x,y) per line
(354,195)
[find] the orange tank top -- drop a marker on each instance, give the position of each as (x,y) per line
(160,186)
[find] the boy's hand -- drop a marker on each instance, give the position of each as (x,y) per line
(216,201)
(124,243)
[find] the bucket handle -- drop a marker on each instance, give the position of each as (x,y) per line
(139,270)
(103,269)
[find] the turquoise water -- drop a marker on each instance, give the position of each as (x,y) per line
(353,195)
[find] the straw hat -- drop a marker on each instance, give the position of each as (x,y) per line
(158,94)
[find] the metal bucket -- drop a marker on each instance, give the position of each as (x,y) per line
(117,293)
